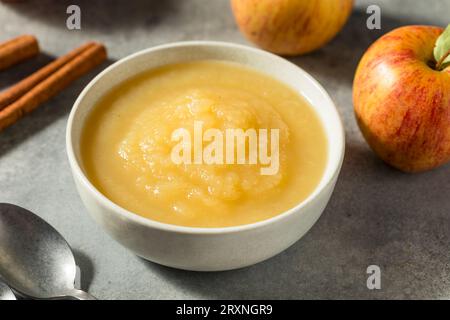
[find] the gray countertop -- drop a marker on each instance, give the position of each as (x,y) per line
(377,215)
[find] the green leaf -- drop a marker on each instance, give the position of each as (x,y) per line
(442,49)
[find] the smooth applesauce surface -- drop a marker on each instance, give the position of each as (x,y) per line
(127,145)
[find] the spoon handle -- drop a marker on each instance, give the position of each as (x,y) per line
(80,295)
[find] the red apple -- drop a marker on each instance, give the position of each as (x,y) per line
(291,27)
(401,96)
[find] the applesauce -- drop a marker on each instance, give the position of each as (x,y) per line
(133,144)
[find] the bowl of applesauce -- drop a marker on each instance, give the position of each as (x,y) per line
(205,155)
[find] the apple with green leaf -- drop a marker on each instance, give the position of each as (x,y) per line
(401,97)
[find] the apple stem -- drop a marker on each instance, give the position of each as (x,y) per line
(441,61)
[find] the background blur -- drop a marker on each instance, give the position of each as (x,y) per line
(377,215)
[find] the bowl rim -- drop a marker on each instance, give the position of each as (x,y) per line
(335,164)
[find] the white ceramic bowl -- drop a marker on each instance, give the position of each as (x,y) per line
(206,249)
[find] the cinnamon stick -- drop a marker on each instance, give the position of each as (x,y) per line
(83,62)
(17,50)
(16,91)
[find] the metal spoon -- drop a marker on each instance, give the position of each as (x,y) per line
(35,260)
(6,292)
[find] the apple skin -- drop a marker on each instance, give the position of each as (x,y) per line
(291,27)
(401,103)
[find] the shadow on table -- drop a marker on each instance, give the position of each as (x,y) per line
(18,72)
(377,215)
(45,114)
(87,269)
(100,14)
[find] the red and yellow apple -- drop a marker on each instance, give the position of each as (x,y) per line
(402,100)
(291,27)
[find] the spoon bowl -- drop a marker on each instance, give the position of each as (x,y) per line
(35,260)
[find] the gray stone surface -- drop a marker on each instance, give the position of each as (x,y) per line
(376,216)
